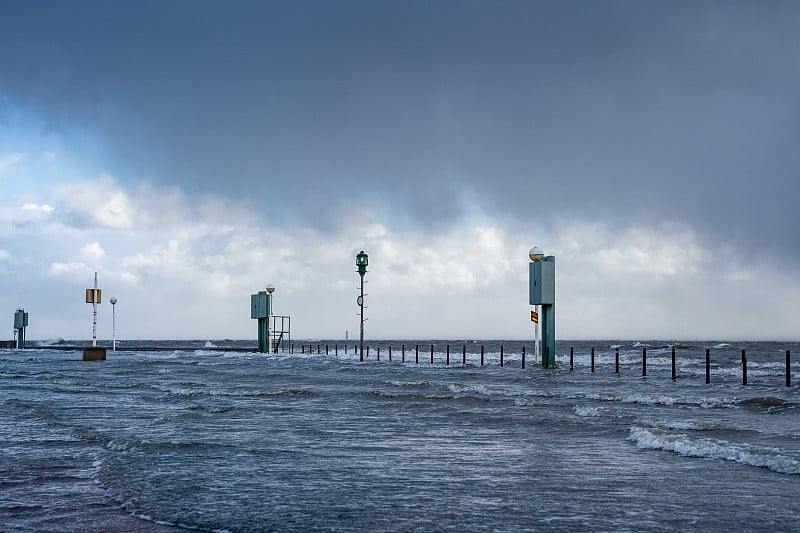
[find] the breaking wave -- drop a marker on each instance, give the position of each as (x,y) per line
(774,459)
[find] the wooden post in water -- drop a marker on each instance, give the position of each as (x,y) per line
(788,369)
(744,368)
(571,361)
(481,354)
(644,362)
(592,358)
(336,349)
(417,354)
(464,356)
(448,355)
(673,364)
(390,353)
(404,353)
(431,353)
(616,360)
(326,349)
(501,355)
(523,356)
(708,365)
(379,352)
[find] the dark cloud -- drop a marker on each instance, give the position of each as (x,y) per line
(623,110)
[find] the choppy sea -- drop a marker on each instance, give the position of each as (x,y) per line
(195,437)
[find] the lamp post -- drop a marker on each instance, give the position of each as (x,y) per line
(113,301)
(542,286)
(362,260)
(270,290)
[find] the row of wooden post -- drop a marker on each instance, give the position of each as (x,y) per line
(571,359)
(674,372)
(403,351)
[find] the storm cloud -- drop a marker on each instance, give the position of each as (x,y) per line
(677,119)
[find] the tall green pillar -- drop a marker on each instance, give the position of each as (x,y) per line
(20,323)
(542,284)
(259,309)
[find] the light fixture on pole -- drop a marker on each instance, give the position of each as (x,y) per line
(362,261)
(270,290)
(113,301)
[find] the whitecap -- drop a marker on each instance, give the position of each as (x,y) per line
(774,459)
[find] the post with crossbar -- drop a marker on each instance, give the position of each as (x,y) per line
(94,297)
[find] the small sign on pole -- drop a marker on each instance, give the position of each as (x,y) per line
(534,317)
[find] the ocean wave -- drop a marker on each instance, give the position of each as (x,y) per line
(774,459)
(192,390)
(680,425)
(428,396)
(488,390)
(660,399)
(397,383)
(588,411)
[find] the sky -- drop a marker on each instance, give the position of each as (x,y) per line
(191,152)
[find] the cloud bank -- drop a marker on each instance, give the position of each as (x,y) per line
(650,146)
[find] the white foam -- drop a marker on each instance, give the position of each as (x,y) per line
(682,425)
(397,383)
(722,345)
(774,459)
(588,411)
(489,390)
(660,399)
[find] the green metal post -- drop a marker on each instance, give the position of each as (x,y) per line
(20,323)
(542,288)
(259,309)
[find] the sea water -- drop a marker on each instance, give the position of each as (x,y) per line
(195,437)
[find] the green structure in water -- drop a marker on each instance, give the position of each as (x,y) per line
(542,284)
(20,323)
(273,331)
(260,304)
